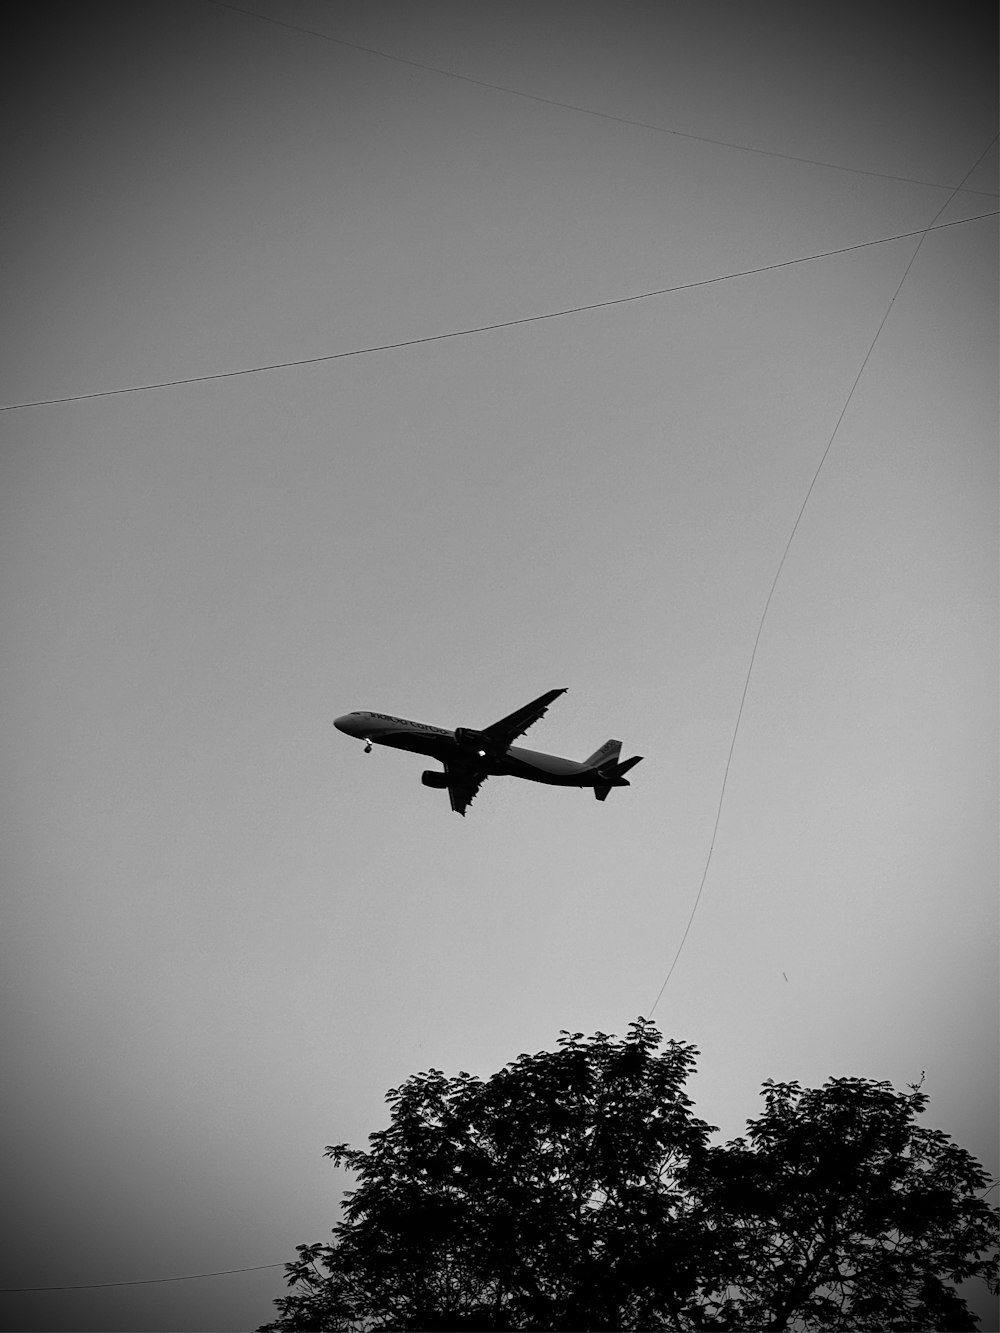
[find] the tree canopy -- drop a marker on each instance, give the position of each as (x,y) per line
(575,1189)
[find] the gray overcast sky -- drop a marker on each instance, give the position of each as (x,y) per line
(227,932)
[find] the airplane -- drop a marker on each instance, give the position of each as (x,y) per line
(470,757)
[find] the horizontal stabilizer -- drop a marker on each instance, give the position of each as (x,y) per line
(613,775)
(620,770)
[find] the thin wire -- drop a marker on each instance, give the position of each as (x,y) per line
(582,110)
(485,328)
(781,565)
(146,1281)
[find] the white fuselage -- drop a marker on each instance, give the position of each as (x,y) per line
(443,745)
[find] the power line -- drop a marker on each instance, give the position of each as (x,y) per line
(781,565)
(143,1282)
(583,110)
(484,328)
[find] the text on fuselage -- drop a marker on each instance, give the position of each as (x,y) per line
(405,722)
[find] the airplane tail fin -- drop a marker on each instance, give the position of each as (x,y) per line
(613,775)
(607,754)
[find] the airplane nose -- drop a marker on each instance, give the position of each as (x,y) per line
(347,723)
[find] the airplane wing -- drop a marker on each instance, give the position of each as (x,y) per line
(463,784)
(507,730)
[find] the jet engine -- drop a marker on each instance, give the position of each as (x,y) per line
(430,777)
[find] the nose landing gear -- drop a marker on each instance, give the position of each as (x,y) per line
(368,746)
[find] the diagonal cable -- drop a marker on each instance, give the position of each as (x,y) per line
(784,556)
(581,110)
(144,1281)
(483,328)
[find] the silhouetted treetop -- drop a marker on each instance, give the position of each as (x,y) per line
(576,1189)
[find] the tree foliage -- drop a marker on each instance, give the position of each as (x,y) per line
(576,1189)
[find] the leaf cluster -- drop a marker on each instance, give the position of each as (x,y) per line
(837,1211)
(576,1189)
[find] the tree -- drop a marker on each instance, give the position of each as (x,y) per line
(836,1211)
(575,1189)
